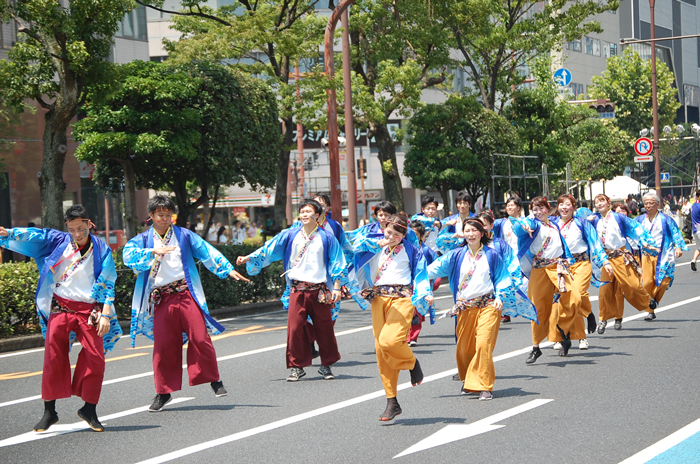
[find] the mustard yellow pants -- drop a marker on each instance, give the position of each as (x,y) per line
(624,281)
(391,321)
(477,331)
(541,289)
(582,272)
(648,278)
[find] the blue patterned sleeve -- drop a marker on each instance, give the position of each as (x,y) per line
(210,257)
(137,258)
(103,288)
(29,242)
(676,235)
(518,229)
(441,267)
(365,243)
(637,232)
(447,240)
(270,252)
(598,255)
(337,263)
(512,265)
(421,285)
(502,284)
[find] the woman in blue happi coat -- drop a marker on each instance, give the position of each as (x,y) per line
(394,278)
(589,258)
(481,287)
(315,270)
(658,267)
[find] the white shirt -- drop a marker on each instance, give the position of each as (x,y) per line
(573,236)
(554,248)
(431,236)
(311,268)
(613,239)
(171,269)
(509,236)
(211,235)
(480,283)
(655,228)
(78,285)
(398,271)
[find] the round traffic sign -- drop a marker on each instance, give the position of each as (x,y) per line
(643,146)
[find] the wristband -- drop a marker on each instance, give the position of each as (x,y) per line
(104,315)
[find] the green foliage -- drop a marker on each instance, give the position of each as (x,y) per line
(452,144)
(18,283)
(199,123)
(627,83)
(496,38)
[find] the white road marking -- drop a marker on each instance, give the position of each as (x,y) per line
(455,432)
(60,429)
(665,444)
(21,352)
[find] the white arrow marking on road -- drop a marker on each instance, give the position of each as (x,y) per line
(56,430)
(455,432)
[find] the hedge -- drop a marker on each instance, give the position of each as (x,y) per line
(18,283)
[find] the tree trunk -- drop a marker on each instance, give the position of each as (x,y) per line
(130,212)
(387,158)
(283,166)
(445,194)
(51,174)
(212,213)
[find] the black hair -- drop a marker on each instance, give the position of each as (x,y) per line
(76,212)
(161,202)
(486,215)
(325,197)
(220,232)
(463,195)
(485,239)
(313,203)
(386,206)
(398,222)
(418,227)
(515,199)
(697,193)
(427,200)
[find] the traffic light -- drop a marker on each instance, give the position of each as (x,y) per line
(362,169)
(604,107)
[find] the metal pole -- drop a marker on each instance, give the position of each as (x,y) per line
(349,126)
(362,186)
(300,138)
(493,183)
(654,102)
(336,201)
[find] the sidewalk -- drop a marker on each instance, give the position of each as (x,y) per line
(26,342)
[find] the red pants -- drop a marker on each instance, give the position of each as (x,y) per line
(310,332)
(301,305)
(175,314)
(90,368)
(415,328)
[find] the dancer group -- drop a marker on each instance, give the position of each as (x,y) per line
(538,267)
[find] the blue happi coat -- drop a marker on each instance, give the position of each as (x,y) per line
(138,255)
(368,247)
(46,246)
(346,247)
(451,228)
(629,228)
(374,230)
(525,241)
(596,253)
(280,248)
(670,239)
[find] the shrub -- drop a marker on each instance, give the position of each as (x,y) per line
(18,283)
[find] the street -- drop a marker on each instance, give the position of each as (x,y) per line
(630,390)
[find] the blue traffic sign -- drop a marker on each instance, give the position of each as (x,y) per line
(665,177)
(562,76)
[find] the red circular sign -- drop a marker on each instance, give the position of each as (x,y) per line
(643,146)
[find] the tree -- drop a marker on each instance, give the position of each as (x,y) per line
(452,144)
(597,148)
(495,38)
(264,38)
(170,125)
(62,53)
(627,83)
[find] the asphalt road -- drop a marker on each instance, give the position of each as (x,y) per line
(629,391)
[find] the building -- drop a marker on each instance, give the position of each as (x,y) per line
(20,198)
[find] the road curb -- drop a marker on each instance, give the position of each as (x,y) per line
(27,342)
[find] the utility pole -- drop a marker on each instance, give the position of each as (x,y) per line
(654,101)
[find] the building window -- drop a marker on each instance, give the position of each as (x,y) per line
(576,89)
(592,46)
(133,26)
(574,45)
(609,49)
